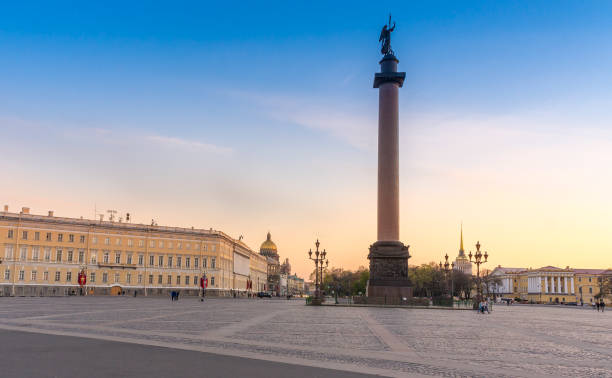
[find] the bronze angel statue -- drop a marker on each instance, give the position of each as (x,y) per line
(385,38)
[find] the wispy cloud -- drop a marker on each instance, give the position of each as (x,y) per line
(345,122)
(175,142)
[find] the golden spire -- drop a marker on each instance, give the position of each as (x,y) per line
(461,252)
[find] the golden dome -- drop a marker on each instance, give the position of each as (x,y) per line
(268,247)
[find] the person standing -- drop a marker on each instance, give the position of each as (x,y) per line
(602,304)
(597,304)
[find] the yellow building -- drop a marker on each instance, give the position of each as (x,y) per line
(44,255)
(550,284)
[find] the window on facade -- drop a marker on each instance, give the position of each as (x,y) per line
(94,240)
(204,262)
(7,274)
(140,259)
(170,261)
(21,275)
(24,253)
(152,243)
(107,241)
(150,278)
(213,263)
(81,256)
(141,243)
(195,280)
(70,255)
(117,257)
(129,259)
(213,247)
(35,253)
(187,262)
(212,281)
(140,278)
(186,280)
(94,256)
(590,279)
(161,244)
(37,235)
(160,260)
(58,255)
(106,257)
(151,260)
(117,241)
(92,277)
(196,262)
(179,245)
(82,239)
(68,276)
(116,277)
(71,238)
(178,280)
(128,278)
(179,261)
(169,279)
(46,276)
(47,254)
(34,273)
(24,235)
(130,242)
(204,247)
(159,279)
(60,237)
(104,277)
(590,290)
(48,236)
(57,276)
(10,234)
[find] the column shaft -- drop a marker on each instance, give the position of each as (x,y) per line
(388,162)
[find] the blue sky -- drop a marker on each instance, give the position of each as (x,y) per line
(252,117)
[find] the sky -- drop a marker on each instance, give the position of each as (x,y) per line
(251,117)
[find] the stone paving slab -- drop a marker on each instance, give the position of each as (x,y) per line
(512,341)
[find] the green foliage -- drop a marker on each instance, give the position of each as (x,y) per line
(346,282)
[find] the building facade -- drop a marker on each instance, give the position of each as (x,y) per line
(550,284)
(46,255)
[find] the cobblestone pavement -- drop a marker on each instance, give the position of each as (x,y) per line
(511,341)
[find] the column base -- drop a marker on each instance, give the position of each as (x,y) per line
(389,270)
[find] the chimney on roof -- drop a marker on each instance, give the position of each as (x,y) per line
(50,213)
(5,208)
(25,210)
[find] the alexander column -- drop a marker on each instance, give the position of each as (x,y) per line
(388,256)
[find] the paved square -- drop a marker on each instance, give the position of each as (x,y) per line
(512,341)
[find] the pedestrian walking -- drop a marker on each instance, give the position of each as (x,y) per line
(597,305)
(602,305)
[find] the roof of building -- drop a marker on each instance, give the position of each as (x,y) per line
(268,248)
(506,270)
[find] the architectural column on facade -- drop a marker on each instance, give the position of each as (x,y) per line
(546,284)
(559,290)
(572,285)
(565,285)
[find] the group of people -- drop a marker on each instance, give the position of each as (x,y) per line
(174,295)
(601,305)
(483,306)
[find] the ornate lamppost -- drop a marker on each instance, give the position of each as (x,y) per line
(320,263)
(478,260)
(448,268)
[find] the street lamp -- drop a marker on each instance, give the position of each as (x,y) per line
(478,260)
(448,268)
(320,263)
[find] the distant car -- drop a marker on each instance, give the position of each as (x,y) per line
(263,294)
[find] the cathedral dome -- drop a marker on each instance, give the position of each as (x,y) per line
(268,248)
